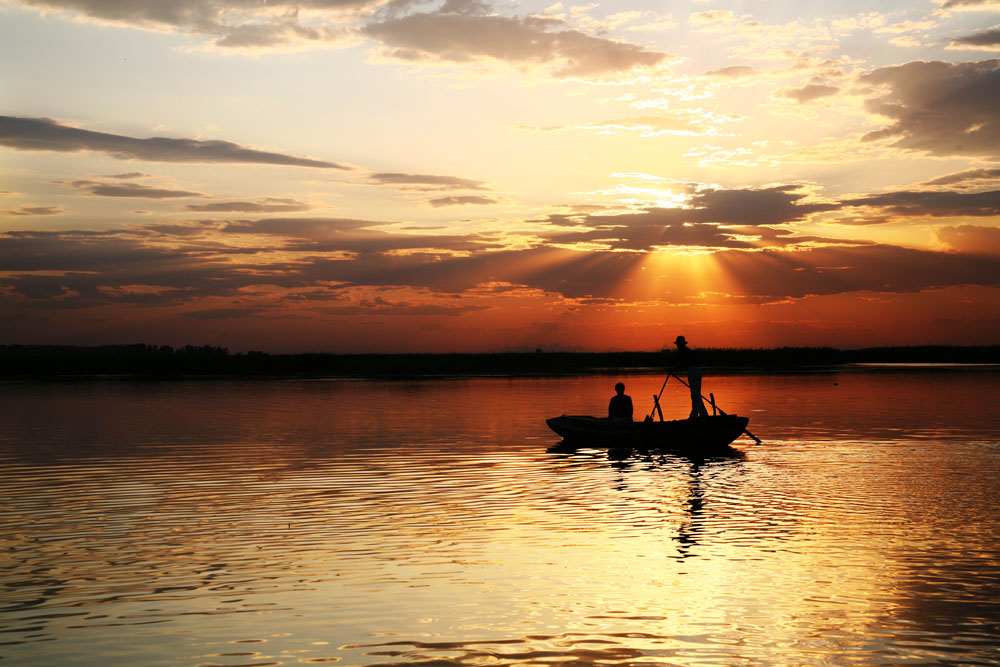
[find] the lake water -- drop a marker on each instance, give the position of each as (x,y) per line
(295,522)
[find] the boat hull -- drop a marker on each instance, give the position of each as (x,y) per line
(702,433)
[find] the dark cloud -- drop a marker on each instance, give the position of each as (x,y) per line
(937,107)
(269,205)
(131,190)
(460,37)
(713,219)
(933,203)
(44,134)
(646,231)
(462,200)
(988,40)
(808,93)
(426,182)
(967,178)
(765,206)
(35,210)
(972,239)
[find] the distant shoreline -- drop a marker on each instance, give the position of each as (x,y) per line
(140,360)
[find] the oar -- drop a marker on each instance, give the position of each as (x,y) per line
(755,438)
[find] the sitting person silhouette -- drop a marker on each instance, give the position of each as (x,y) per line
(620,407)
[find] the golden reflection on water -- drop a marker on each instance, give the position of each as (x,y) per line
(371,522)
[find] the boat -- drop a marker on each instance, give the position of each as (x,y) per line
(714,432)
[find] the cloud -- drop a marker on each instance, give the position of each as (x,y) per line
(967,178)
(245,24)
(454,37)
(269,205)
(808,93)
(44,134)
(254,36)
(971,239)
(938,108)
(462,200)
(131,190)
(765,206)
(969,5)
(987,40)
(426,182)
(34,210)
(732,72)
(933,203)
(129,175)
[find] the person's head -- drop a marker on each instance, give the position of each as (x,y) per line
(620,388)
(680,342)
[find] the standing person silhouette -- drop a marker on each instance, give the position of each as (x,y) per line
(686,359)
(620,407)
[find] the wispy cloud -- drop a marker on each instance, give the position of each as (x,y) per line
(462,200)
(968,178)
(268,205)
(34,210)
(933,203)
(808,93)
(969,5)
(986,40)
(131,190)
(44,134)
(426,182)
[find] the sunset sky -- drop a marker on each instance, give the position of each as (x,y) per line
(406,176)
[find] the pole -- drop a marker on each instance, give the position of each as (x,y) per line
(714,406)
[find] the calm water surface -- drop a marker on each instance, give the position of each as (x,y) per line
(290,522)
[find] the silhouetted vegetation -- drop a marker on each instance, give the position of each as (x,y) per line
(165,361)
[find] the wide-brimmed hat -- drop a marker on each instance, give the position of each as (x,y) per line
(680,341)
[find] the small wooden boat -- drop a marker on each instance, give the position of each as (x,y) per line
(714,432)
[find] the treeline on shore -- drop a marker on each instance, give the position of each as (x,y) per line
(165,361)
